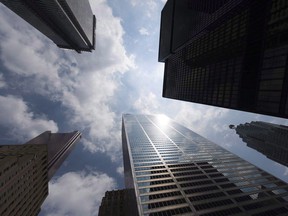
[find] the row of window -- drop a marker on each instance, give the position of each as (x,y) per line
(159,196)
(162,204)
(175,211)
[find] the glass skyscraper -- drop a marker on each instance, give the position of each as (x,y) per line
(175,171)
(267,138)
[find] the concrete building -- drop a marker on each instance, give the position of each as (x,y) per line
(23,179)
(59,146)
(175,171)
(226,53)
(70,24)
(25,171)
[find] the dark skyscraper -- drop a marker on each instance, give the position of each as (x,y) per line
(226,53)
(118,203)
(269,139)
(26,169)
(175,171)
(70,24)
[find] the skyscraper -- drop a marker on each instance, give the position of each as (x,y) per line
(23,179)
(226,53)
(118,203)
(175,171)
(26,169)
(59,146)
(267,138)
(70,24)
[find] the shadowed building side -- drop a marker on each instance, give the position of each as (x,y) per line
(230,54)
(118,203)
(23,179)
(26,169)
(69,24)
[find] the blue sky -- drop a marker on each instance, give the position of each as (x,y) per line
(43,88)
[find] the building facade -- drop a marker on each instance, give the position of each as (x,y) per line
(266,138)
(118,203)
(59,146)
(25,171)
(226,53)
(70,24)
(23,179)
(175,171)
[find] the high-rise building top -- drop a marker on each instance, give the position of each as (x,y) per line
(59,146)
(267,138)
(69,24)
(175,171)
(26,169)
(226,53)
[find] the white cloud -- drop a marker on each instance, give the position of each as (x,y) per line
(77,193)
(147,103)
(20,121)
(144,31)
(120,170)
(202,119)
(84,84)
(149,7)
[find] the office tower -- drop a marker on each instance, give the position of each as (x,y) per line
(267,138)
(118,203)
(70,24)
(226,53)
(59,146)
(175,171)
(25,170)
(23,179)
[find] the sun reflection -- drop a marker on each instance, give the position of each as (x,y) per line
(162,120)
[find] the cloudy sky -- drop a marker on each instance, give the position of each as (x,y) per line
(43,88)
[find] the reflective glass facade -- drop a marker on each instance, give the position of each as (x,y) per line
(227,53)
(175,171)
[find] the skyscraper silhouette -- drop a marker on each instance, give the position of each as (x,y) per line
(226,53)
(118,203)
(70,24)
(175,171)
(267,138)
(26,169)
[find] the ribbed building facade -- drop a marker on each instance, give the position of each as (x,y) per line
(26,169)
(226,53)
(267,138)
(175,171)
(70,24)
(23,179)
